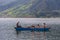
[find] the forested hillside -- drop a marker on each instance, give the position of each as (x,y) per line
(30,9)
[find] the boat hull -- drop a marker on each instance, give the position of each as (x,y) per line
(32,29)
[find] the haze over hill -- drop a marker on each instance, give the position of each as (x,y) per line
(29,8)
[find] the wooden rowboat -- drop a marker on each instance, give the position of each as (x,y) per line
(31,29)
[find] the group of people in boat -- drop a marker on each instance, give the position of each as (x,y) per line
(38,26)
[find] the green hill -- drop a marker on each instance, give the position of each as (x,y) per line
(31,9)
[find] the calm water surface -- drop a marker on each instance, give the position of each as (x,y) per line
(7,31)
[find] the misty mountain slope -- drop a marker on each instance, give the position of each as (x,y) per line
(31,8)
(46,7)
(53,5)
(18,11)
(13,4)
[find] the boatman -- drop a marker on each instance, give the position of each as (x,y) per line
(17,25)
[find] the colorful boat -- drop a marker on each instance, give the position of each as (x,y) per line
(32,29)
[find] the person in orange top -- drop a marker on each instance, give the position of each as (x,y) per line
(33,26)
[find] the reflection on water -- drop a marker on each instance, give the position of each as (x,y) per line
(31,35)
(7,31)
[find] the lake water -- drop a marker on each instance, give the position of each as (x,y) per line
(7,31)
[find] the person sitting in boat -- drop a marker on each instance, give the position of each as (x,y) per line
(17,25)
(38,26)
(44,25)
(33,26)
